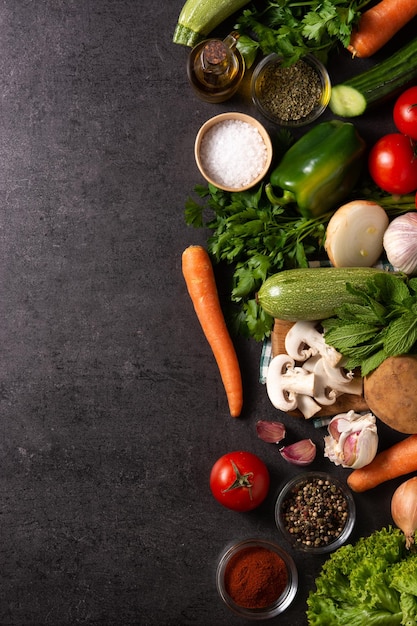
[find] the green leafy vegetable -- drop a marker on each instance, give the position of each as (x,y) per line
(294,29)
(373,582)
(258,238)
(384,324)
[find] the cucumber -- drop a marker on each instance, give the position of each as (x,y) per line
(199,17)
(310,293)
(352,97)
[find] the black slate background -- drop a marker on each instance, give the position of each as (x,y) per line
(111,409)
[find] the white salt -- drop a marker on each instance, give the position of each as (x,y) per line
(233,153)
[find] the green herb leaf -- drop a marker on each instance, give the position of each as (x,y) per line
(350,335)
(294,29)
(369,364)
(401,335)
(385,324)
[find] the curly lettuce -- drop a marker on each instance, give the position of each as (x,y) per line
(372,583)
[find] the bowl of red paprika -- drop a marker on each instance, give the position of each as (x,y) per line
(256,579)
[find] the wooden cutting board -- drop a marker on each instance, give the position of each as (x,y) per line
(344,403)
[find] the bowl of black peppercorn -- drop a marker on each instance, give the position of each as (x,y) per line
(315,512)
(293,94)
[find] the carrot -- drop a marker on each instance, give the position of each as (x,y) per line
(379,24)
(399,459)
(201,284)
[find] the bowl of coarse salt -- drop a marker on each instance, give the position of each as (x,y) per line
(233,151)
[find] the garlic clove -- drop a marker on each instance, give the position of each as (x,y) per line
(270,432)
(350,449)
(362,448)
(352,440)
(302,452)
(333,429)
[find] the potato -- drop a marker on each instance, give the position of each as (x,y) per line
(391,393)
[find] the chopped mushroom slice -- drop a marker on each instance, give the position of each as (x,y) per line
(332,383)
(285,383)
(308,406)
(303,341)
(342,380)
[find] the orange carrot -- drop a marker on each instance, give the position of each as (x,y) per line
(379,24)
(398,460)
(201,284)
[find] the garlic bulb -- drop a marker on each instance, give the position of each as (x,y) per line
(352,440)
(400,243)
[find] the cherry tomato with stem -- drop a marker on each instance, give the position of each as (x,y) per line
(405,113)
(392,164)
(239,481)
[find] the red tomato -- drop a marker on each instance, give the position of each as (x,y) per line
(393,164)
(239,481)
(405,113)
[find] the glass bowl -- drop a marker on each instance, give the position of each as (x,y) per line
(233,151)
(291,96)
(240,550)
(315,512)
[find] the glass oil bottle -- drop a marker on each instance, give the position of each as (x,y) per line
(215,68)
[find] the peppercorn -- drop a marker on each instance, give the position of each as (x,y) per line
(315,512)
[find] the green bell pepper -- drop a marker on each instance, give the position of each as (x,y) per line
(320,169)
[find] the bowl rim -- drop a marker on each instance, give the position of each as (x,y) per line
(350,523)
(282,602)
(233,115)
(316,112)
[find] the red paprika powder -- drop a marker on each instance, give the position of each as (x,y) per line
(255,577)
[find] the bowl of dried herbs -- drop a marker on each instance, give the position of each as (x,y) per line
(290,95)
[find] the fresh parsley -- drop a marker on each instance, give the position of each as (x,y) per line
(293,29)
(258,239)
(382,323)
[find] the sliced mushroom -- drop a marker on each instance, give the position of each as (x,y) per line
(285,383)
(303,340)
(308,406)
(342,380)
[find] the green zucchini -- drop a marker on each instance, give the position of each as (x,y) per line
(352,97)
(310,293)
(199,17)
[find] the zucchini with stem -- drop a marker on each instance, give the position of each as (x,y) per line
(199,17)
(311,293)
(353,97)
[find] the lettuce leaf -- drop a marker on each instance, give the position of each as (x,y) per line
(373,582)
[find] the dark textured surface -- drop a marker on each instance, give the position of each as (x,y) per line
(112,412)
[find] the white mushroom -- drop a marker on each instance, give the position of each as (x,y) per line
(308,406)
(303,340)
(331,382)
(285,383)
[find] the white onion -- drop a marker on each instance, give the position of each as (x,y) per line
(400,243)
(354,234)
